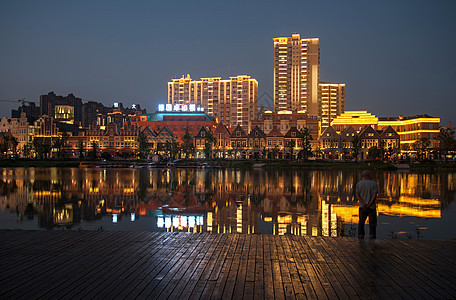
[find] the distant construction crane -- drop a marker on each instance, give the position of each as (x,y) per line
(23,101)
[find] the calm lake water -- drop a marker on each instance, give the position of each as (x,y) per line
(301,202)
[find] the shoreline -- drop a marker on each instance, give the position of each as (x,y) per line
(241,164)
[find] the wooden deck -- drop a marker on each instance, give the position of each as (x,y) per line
(144,265)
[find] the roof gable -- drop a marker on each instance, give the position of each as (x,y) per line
(275,133)
(239,132)
(290,132)
(165,131)
(200,134)
(221,128)
(369,132)
(257,133)
(329,132)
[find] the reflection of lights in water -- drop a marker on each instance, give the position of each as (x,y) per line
(209,221)
(168,222)
(176,222)
(114,218)
(184,221)
(132,217)
(314,231)
(239,218)
(191,221)
(160,222)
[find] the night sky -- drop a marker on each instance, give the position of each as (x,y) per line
(395,57)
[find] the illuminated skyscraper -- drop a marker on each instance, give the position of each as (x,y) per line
(331,102)
(296,69)
(233,101)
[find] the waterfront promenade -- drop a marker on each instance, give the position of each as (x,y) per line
(145,265)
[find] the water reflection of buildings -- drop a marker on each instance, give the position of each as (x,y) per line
(297,202)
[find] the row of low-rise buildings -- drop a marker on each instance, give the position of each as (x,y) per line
(273,131)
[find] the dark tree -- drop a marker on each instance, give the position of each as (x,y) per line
(188,149)
(306,137)
(210,141)
(446,139)
(143,145)
(356,143)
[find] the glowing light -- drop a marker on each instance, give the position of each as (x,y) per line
(160,222)
(168,222)
(176,222)
(191,221)
(132,217)
(161,107)
(184,221)
(114,218)
(169,107)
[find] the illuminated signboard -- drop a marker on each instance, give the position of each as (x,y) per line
(179,108)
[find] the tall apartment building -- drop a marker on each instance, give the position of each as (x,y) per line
(232,101)
(296,74)
(331,102)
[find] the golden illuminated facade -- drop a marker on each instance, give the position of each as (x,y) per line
(296,74)
(233,101)
(410,129)
(356,119)
(64,114)
(414,128)
(331,102)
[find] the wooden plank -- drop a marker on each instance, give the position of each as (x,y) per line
(64,280)
(225,271)
(363,257)
(304,277)
(157,293)
(242,270)
(259,286)
(352,277)
(232,275)
(205,275)
(166,274)
(413,272)
(181,269)
(44,267)
(204,246)
(192,282)
(118,261)
(284,270)
(279,290)
(95,264)
(119,265)
(267,269)
(162,269)
(313,270)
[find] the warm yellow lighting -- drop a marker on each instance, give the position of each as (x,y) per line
(285,112)
(408,122)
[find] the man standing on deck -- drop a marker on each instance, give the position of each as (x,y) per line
(366,194)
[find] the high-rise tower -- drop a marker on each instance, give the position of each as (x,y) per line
(296,69)
(331,102)
(233,101)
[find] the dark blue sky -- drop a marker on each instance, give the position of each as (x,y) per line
(396,57)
